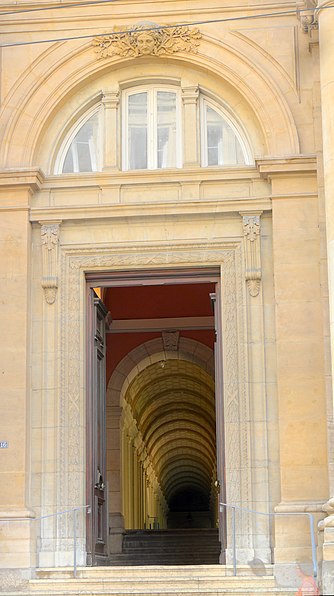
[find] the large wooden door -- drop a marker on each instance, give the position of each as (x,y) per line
(96,433)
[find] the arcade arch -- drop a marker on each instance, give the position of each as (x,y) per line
(169,433)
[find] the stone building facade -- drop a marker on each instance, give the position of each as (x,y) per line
(166,144)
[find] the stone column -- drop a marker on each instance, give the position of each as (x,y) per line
(16,525)
(110,103)
(190,126)
(325,16)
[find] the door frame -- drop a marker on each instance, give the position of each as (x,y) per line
(181,276)
(77,262)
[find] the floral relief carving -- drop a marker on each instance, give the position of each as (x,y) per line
(132,42)
(306,14)
(50,240)
(251,230)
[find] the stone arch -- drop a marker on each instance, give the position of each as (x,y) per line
(47,87)
(148,353)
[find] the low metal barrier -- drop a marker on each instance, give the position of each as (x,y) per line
(233,528)
(73,510)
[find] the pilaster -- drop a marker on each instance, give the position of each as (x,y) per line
(190,95)
(17,527)
(325,16)
(300,351)
(110,102)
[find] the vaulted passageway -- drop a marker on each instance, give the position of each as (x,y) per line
(171,410)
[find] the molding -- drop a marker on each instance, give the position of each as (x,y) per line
(71,464)
(300,507)
(140,325)
(33,178)
(299,164)
(153,209)
(322,4)
(17,514)
(196,173)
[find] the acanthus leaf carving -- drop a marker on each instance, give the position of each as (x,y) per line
(50,240)
(143,40)
(306,12)
(251,231)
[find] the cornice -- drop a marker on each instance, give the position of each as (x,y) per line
(133,9)
(289,166)
(125,178)
(30,178)
(300,507)
(198,208)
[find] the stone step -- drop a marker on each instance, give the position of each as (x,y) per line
(106,572)
(155,586)
(237,591)
(169,547)
(163,559)
(215,580)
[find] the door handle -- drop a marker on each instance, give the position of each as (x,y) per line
(99,484)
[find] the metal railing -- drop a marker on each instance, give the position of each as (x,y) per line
(156,525)
(73,510)
(271,514)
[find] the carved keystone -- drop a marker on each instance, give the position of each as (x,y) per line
(146,40)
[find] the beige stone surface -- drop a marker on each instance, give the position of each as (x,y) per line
(268,75)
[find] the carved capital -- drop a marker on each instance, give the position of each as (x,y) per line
(50,240)
(190,94)
(307,15)
(111,100)
(251,232)
(147,40)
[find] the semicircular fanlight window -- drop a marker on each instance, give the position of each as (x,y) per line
(223,145)
(81,155)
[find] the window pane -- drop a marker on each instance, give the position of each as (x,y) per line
(166,129)
(223,146)
(137,131)
(81,155)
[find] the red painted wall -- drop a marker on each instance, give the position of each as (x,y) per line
(152,302)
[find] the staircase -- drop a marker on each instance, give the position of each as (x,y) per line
(198,580)
(169,547)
